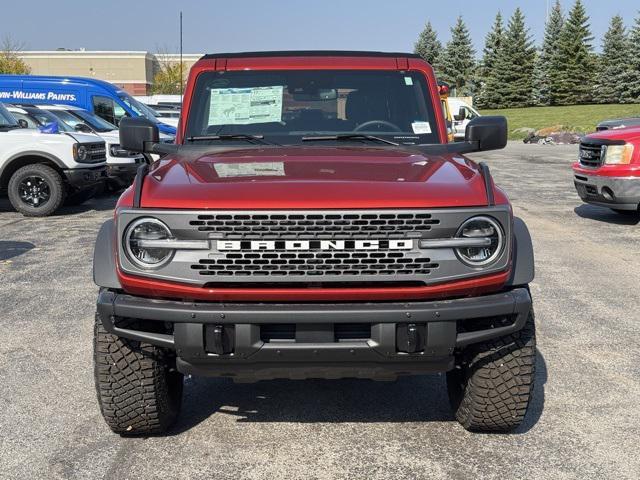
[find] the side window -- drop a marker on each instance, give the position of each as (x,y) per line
(105,107)
(119,112)
(469,115)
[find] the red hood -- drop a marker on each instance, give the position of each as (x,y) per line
(313,177)
(628,134)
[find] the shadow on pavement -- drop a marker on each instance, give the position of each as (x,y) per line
(10,249)
(603,214)
(409,399)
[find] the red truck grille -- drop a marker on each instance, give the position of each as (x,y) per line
(330,225)
(590,155)
(315,263)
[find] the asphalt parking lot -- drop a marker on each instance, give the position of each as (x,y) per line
(584,421)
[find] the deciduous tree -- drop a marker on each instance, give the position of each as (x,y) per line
(10,61)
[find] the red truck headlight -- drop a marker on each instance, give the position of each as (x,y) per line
(143,243)
(481,228)
(617,154)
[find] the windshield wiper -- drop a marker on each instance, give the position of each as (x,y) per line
(259,139)
(349,136)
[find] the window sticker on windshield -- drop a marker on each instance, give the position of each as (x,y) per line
(421,127)
(243,106)
(408,81)
(254,169)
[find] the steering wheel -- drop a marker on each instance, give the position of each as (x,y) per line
(365,125)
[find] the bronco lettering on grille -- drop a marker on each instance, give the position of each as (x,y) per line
(226,245)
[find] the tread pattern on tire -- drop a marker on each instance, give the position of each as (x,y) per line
(492,390)
(56,186)
(137,393)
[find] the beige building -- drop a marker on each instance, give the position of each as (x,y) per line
(132,71)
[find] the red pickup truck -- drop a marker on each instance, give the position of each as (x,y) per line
(608,169)
(312,221)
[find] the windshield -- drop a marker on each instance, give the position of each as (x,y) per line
(76,117)
(43,117)
(285,106)
(138,107)
(6,119)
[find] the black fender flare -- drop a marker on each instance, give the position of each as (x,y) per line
(104,257)
(31,153)
(523,269)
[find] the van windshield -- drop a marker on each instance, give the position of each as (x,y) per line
(292,106)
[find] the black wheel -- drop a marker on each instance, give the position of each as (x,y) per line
(139,390)
(36,190)
(491,386)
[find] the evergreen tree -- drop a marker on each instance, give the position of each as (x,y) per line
(493,42)
(548,66)
(513,71)
(458,59)
(613,65)
(428,46)
(631,78)
(574,83)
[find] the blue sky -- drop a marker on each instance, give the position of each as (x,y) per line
(216,26)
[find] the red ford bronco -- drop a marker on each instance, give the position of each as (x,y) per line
(312,221)
(608,169)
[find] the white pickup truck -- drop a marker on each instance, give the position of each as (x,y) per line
(40,171)
(462,113)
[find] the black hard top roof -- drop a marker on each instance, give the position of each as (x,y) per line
(310,53)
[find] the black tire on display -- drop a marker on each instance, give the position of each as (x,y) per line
(491,387)
(139,390)
(36,190)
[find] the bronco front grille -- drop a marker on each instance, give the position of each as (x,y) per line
(330,225)
(350,248)
(590,155)
(96,152)
(280,263)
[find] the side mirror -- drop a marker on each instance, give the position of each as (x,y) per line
(23,123)
(488,133)
(83,127)
(462,114)
(138,134)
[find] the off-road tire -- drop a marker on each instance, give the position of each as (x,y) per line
(491,387)
(139,391)
(54,182)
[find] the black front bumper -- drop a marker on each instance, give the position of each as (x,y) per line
(121,175)
(314,352)
(82,178)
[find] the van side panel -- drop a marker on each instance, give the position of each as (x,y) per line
(40,90)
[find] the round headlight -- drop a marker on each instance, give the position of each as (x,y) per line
(81,153)
(140,232)
(481,228)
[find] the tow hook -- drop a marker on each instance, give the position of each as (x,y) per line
(410,337)
(219,339)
